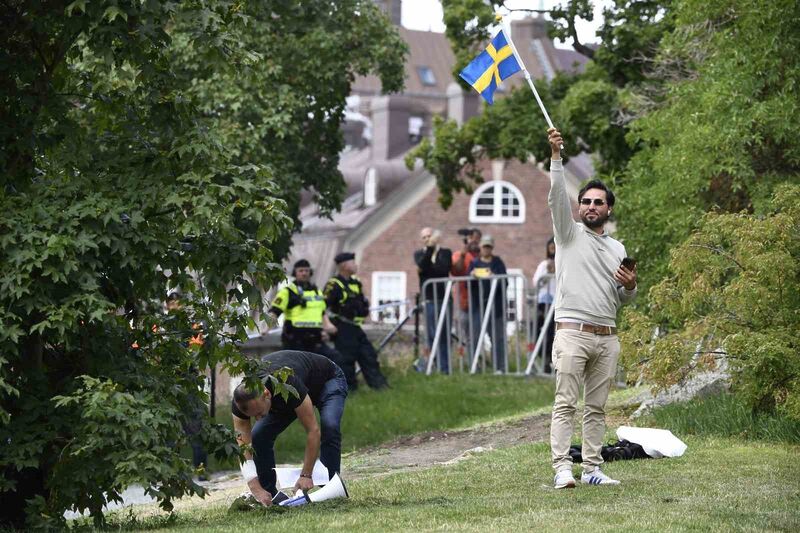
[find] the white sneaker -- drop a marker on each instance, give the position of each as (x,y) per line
(597,477)
(564,480)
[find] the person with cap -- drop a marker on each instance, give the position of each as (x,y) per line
(348,307)
(482,269)
(305,325)
(461,261)
(593,279)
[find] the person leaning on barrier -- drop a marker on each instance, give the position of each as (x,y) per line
(305,324)
(591,286)
(320,384)
(433,261)
(544,283)
(348,307)
(483,268)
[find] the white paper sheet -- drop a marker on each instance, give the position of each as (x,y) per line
(287,477)
(657,443)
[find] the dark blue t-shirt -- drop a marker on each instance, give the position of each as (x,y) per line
(311,372)
(481,287)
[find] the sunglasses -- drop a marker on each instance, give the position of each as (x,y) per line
(596,201)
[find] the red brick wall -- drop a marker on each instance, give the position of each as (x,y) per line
(519,245)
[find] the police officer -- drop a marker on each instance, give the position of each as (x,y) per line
(305,323)
(347,307)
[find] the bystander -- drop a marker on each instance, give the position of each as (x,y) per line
(433,261)
(483,268)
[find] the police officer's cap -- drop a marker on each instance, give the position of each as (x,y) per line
(302,263)
(344,256)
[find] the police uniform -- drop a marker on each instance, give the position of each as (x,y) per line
(347,308)
(303,305)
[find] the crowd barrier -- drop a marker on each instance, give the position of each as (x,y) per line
(484,325)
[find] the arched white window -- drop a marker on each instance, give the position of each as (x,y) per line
(497,202)
(370,187)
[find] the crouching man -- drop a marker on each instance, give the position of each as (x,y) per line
(320,384)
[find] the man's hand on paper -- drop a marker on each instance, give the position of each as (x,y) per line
(263,496)
(304,484)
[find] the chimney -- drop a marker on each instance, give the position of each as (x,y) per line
(390,121)
(461,106)
(530,37)
(527,29)
(392,8)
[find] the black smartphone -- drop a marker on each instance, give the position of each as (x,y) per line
(629,263)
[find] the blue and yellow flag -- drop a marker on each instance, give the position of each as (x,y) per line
(493,65)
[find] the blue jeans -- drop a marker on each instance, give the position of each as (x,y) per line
(331,408)
(431,319)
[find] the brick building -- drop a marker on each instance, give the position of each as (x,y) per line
(387,204)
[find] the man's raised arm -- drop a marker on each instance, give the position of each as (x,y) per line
(563,223)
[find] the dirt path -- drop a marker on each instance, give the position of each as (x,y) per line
(443,447)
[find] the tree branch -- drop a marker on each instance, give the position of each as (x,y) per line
(718,251)
(576,43)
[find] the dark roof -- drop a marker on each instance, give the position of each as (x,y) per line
(426,48)
(571,61)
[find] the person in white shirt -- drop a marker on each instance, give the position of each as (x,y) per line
(544,283)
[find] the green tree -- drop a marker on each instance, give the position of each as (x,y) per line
(721,130)
(733,292)
(148,146)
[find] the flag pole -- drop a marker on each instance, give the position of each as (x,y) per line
(527,74)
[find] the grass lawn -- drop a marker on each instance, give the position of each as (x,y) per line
(740,473)
(719,485)
(418,403)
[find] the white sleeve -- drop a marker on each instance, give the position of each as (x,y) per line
(541,269)
(563,224)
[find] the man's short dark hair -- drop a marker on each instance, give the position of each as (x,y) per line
(242,394)
(597,184)
(473,231)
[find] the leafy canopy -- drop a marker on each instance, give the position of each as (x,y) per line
(147,147)
(732,294)
(722,131)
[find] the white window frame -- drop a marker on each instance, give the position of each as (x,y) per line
(497,206)
(370,187)
(400,296)
(426,76)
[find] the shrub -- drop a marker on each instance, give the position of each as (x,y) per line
(733,292)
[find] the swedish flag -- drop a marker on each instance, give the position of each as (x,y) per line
(493,65)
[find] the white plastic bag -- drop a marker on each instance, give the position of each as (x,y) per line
(657,443)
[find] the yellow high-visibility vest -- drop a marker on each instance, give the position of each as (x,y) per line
(301,316)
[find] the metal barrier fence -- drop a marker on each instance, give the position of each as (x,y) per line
(540,303)
(490,323)
(482,321)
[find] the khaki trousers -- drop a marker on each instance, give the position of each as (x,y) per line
(581,357)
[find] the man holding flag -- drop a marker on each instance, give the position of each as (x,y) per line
(596,277)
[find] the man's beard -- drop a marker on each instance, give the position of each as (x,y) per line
(596,223)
